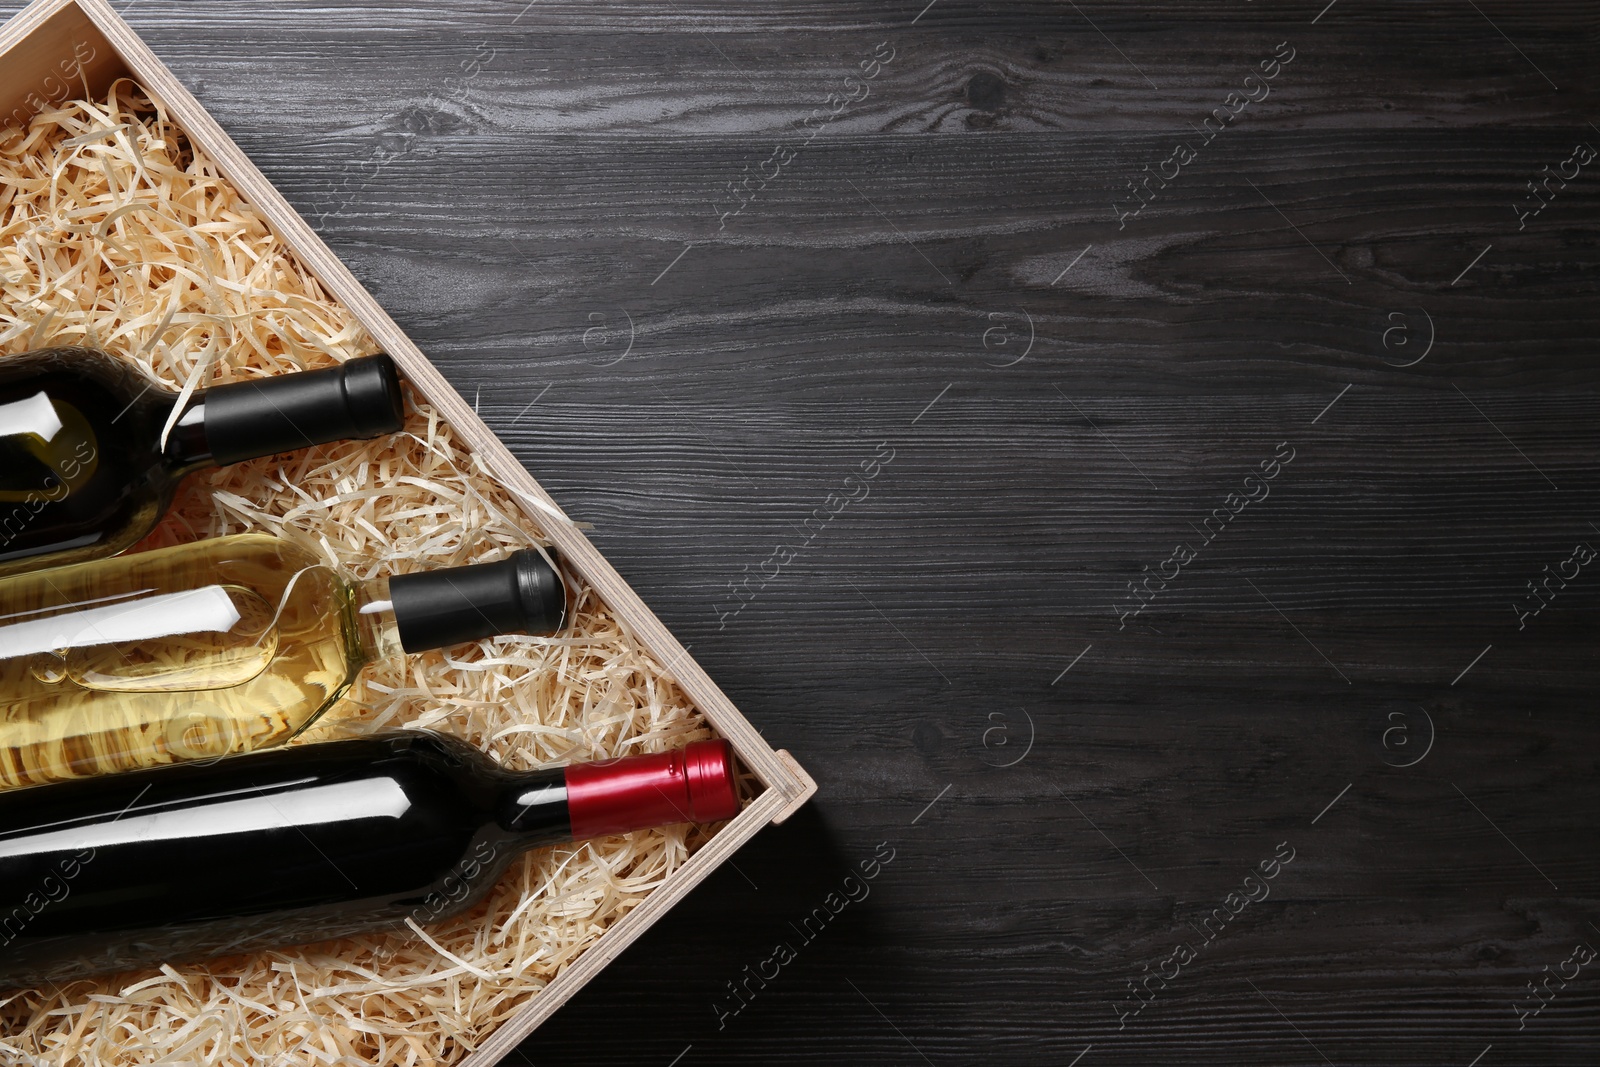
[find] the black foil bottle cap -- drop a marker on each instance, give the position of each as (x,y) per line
(358,399)
(521,594)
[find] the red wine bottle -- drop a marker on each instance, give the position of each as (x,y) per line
(302,844)
(91,455)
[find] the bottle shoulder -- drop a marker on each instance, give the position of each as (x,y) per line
(88,370)
(80,439)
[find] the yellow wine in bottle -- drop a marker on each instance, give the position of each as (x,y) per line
(221,646)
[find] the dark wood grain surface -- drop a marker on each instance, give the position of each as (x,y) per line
(1348,670)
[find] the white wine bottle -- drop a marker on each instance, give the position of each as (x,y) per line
(222,646)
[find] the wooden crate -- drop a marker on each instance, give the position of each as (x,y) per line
(48,52)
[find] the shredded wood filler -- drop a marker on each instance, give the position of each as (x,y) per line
(116,233)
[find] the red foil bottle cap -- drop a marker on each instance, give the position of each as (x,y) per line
(693,784)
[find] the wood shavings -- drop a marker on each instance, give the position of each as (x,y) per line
(116,233)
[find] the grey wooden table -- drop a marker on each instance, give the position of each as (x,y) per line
(1140,457)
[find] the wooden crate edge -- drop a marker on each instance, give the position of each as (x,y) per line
(807,791)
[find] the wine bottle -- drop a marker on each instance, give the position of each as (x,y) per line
(92,449)
(222,646)
(302,844)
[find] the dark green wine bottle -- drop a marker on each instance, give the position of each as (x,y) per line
(90,454)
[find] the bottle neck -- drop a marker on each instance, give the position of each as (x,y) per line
(693,784)
(187,447)
(521,594)
(533,808)
(377,631)
(286,412)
